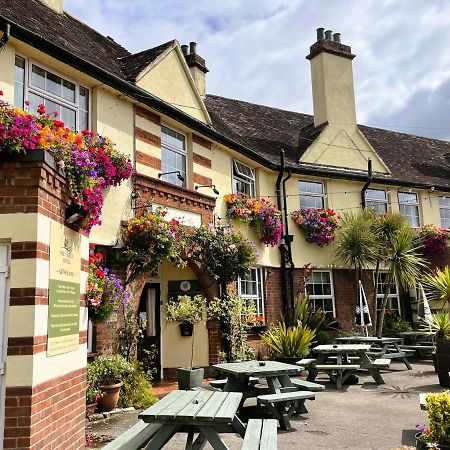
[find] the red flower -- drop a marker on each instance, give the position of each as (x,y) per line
(78,139)
(1,93)
(27,102)
(99,256)
(41,109)
(58,124)
(91,245)
(100,273)
(91,260)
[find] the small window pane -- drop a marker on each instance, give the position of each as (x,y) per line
(84,99)
(68,116)
(52,107)
(35,101)
(19,82)
(444,201)
(376,194)
(84,120)
(68,91)
(54,84)
(404,197)
(311,187)
(38,77)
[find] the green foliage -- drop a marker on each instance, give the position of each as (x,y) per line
(356,242)
(224,254)
(437,285)
(394,324)
(92,390)
(314,319)
(438,407)
(129,334)
(440,323)
(386,226)
(137,389)
(235,315)
(186,309)
(108,370)
(288,342)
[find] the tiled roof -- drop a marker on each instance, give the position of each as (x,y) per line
(266,130)
(134,64)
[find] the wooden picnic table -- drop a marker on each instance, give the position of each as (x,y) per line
(420,341)
(345,364)
(384,347)
(206,412)
(284,397)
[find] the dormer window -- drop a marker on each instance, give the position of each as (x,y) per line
(243,179)
(38,85)
(173,156)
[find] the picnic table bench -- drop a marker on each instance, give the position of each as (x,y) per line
(260,434)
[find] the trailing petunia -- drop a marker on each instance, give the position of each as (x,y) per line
(90,161)
(317,224)
(433,240)
(261,215)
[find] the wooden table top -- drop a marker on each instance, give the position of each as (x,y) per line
(194,407)
(417,333)
(341,348)
(369,339)
(254,368)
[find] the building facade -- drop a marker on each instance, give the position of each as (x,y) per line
(190,149)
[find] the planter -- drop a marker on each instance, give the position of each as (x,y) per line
(90,409)
(186,328)
(288,359)
(108,401)
(442,361)
(190,377)
(424,446)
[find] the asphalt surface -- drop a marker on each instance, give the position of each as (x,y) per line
(365,416)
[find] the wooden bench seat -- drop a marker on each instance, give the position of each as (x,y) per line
(337,366)
(135,438)
(305,362)
(418,347)
(422,401)
(260,434)
(284,404)
(220,384)
(381,363)
(307,385)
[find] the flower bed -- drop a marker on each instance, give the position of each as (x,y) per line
(318,225)
(260,214)
(90,161)
(105,290)
(434,240)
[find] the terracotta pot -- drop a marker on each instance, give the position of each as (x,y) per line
(108,401)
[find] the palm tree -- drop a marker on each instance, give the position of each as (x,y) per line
(357,242)
(438,285)
(403,265)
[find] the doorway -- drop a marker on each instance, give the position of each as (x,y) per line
(149,314)
(4,305)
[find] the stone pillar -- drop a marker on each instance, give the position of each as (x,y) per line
(46,358)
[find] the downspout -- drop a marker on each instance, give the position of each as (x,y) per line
(290,269)
(367,183)
(5,37)
(282,246)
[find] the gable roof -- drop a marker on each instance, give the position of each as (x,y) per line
(411,159)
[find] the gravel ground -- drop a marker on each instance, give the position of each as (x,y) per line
(365,416)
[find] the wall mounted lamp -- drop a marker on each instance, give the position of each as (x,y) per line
(179,176)
(212,186)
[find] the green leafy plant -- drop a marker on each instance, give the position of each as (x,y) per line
(137,388)
(288,342)
(437,285)
(92,391)
(129,334)
(438,431)
(394,324)
(440,324)
(314,319)
(109,370)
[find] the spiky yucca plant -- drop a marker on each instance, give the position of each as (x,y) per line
(437,285)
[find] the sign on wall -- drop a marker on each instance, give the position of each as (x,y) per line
(64,291)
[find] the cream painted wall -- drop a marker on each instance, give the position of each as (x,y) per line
(168,80)
(176,350)
(7,73)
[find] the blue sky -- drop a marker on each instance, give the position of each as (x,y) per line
(255,50)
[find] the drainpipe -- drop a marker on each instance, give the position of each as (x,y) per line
(366,185)
(288,238)
(5,37)
(282,246)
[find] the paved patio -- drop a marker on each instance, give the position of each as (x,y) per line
(365,416)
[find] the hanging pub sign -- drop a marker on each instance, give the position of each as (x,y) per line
(64,291)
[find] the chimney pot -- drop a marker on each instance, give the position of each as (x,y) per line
(320,34)
(185,49)
(337,37)
(192,48)
(329,35)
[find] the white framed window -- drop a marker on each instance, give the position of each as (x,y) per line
(251,288)
(319,288)
(408,205)
(173,156)
(34,84)
(312,194)
(243,179)
(444,212)
(377,200)
(393,303)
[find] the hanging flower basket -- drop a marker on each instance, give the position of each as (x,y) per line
(186,328)
(261,215)
(105,291)
(318,225)
(90,161)
(433,240)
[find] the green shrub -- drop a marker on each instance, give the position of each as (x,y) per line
(92,390)
(107,370)
(394,324)
(137,389)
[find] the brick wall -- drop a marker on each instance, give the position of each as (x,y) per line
(47,416)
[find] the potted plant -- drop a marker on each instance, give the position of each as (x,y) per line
(109,372)
(288,344)
(188,311)
(437,434)
(93,393)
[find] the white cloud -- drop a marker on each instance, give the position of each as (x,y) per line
(255,49)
